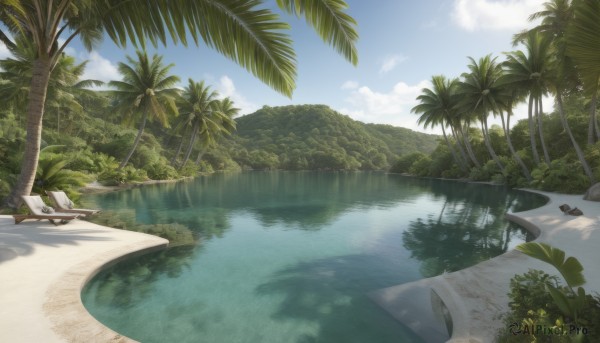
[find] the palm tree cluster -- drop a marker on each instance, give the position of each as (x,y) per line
(241,30)
(560,57)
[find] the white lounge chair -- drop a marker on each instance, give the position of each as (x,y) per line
(64,204)
(40,211)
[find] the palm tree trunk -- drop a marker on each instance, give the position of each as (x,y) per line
(488,143)
(593,124)
(136,141)
(563,119)
(470,147)
(191,144)
(534,152)
(200,154)
(539,114)
(174,159)
(35,111)
(460,146)
(456,159)
(510,145)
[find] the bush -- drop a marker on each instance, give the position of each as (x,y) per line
(160,170)
(404,163)
(421,166)
(562,176)
(532,305)
(115,177)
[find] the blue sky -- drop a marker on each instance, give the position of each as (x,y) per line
(402,44)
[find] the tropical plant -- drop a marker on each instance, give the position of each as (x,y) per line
(437,106)
(531,72)
(480,94)
(571,302)
(583,46)
(250,36)
(146,93)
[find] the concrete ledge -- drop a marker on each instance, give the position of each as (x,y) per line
(44,268)
(476,297)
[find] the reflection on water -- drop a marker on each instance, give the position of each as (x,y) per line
(288,257)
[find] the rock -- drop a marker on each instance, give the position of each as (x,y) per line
(593,194)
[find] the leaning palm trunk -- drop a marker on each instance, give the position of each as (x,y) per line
(536,156)
(563,119)
(593,124)
(539,114)
(458,161)
(459,145)
(174,159)
(516,156)
(488,144)
(190,145)
(35,111)
(469,147)
(136,141)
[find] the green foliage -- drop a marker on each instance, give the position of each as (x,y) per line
(52,175)
(316,137)
(115,177)
(486,173)
(404,163)
(161,170)
(563,175)
(570,268)
(421,166)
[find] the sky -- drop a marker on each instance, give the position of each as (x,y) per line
(402,44)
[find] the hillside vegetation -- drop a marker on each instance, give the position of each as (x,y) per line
(316,137)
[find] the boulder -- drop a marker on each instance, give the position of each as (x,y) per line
(593,194)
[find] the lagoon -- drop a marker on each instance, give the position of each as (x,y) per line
(290,256)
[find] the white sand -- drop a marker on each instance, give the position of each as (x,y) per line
(477,296)
(43,269)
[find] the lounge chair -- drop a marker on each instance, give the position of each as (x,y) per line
(40,211)
(65,205)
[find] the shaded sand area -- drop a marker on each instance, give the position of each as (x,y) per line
(43,269)
(476,297)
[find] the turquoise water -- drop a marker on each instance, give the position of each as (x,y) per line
(290,256)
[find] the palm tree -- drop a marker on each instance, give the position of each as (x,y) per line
(555,20)
(64,88)
(531,71)
(240,30)
(583,46)
(147,91)
(200,106)
(225,108)
(480,94)
(436,107)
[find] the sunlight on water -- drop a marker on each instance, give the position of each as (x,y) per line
(289,257)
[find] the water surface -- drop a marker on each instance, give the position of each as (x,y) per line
(290,256)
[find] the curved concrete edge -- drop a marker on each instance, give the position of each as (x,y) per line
(70,319)
(476,297)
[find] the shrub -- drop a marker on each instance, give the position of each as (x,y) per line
(421,166)
(562,176)
(115,177)
(404,163)
(160,170)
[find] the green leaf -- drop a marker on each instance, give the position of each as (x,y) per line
(561,300)
(570,269)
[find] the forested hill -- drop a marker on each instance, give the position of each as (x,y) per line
(316,137)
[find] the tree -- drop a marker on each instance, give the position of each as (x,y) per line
(481,93)
(555,19)
(437,106)
(238,29)
(146,92)
(531,71)
(583,46)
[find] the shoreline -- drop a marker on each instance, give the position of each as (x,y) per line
(476,297)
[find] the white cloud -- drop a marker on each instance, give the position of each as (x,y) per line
(349,85)
(226,88)
(507,15)
(4,53)
(391,107)
(100,68)
(390,62)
